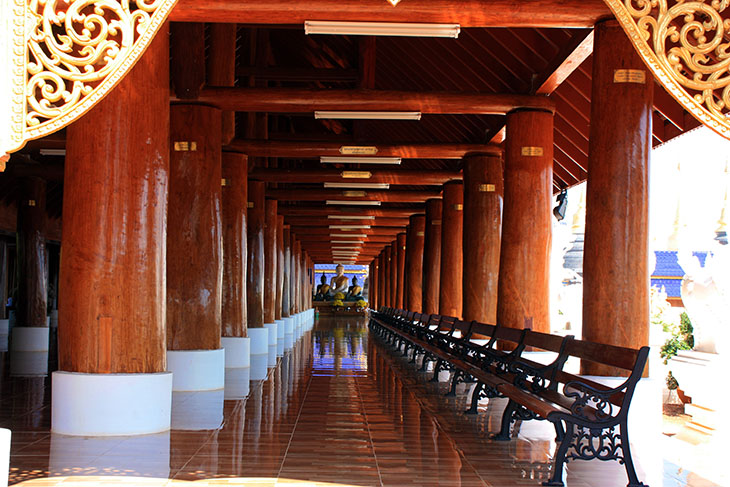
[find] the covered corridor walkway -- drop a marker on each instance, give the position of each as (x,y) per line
(339,409)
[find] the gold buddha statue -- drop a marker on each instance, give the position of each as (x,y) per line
(354,292)
(338,284)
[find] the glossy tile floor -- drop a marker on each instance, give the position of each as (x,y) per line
(340,409)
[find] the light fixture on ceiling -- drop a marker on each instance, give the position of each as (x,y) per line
(354,242)
(349,227)
(359,160)
(394,2)
(355,115)
(381,29)
(357,185)
(350,217)
(354,202)
(355,235)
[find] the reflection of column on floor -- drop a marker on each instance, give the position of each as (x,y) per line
(233,436)
(398,403)
(32,400)
(253,417)
(412,430)
(449,461)
(278,390)
(285,382)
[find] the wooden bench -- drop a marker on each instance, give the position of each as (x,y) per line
(590,419)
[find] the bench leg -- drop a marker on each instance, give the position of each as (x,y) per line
(406,348)
(454,382)
(556,479)
(507,420)
(414,355)
(424,363)
(628,459)
(475,396)
(436,370)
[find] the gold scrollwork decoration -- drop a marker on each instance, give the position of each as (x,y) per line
(686,44)
(69,54)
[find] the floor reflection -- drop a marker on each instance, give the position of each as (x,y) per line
(337,409)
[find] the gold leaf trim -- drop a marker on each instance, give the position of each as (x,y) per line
(684,45)
(69,54)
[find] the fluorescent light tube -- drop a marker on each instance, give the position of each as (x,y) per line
(381,29)
(350,217)
(359,160)
(359,235)
(346,115)
(349,227)
(354,202)
(357,185)
(53,152)
(347,242)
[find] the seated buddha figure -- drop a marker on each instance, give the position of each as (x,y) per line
(338,284)
(354,293)
(323,290)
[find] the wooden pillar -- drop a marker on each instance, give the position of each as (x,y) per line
(452,257)
(483,196)
(432,257)
(523,289)
(297,276)
(3,278)
(401,269)
(414,263)
(615,265)
(279,266)
(234,199)
(221,69)
(394,273)
(293,275)
(286,284)
(270,264)
(112,276)
(373,283)
(31,308)
(194,250)
(387,276)
(255,265)
(381,279)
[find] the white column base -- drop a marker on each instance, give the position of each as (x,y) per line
(4,456)
(259,340)
(196,411)
(237,383)
(70,456)
(289,333)
(110,404)
(272,333)
(197,370)
(271,362)
(4,332)
(238,351)
(259,362)
(28,364)
(280,329)
(280,347)
(29,339)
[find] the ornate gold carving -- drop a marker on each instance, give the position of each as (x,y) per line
(685,45)
(68,54)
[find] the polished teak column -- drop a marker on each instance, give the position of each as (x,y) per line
(483,192)
(235,199)
(401,269)
(615,265)
(523,289)
(255,289)
(414,263)
(452,262)
(112,275)
(432,257)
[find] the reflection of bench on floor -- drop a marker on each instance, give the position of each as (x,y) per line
(590,419)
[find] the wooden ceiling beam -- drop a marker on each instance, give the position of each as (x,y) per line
(563,65)
(467,13)
(302,100)
(313,150)
(386,196)
(403,176)
(325,210)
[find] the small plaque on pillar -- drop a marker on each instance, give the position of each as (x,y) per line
(458,207)
(354,194)
(436,222)
(486,188)
(420,234)
(249,204)
(185,146)
(224,182)
(532,151)
(353,150)
(31,202)
(637,76)
(357,174)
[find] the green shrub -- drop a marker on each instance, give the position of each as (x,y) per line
(681,339)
